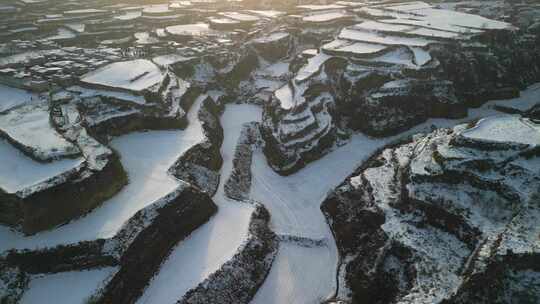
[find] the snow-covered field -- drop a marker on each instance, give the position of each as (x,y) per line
(239,16)
(125,96)
(169,59)
(525,101)
(272,37)
(403,29)
(299,275)
(379,38)
(294,201)
(266,13)
(285,95)
(398,56)
(72,287)
(11,97)
(326,17)
(213,244)
(355,48)
(19,172)
(146,157)
(197,29)
(29,125)
(313,66)
(320,7)
(200,255)
(135,75)
(423,14)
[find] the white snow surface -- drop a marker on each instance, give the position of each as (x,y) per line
(404,29)
(320,7)
(326,17)
(299,275)
(285,95)
(313,66)
(408,6)
(72,287)
(267,13)
(436,16)
(197,29)
(357,48)
(423,14)
(239,16)
(169,59)
(135,75)
(294,201)
(505,128)
(146,157)
(421,56)
(527,99)
(123,96)
(213,244)
(11,97)
(379,38)
(18,172)
(271,38)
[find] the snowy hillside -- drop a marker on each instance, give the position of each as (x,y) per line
(194,152)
